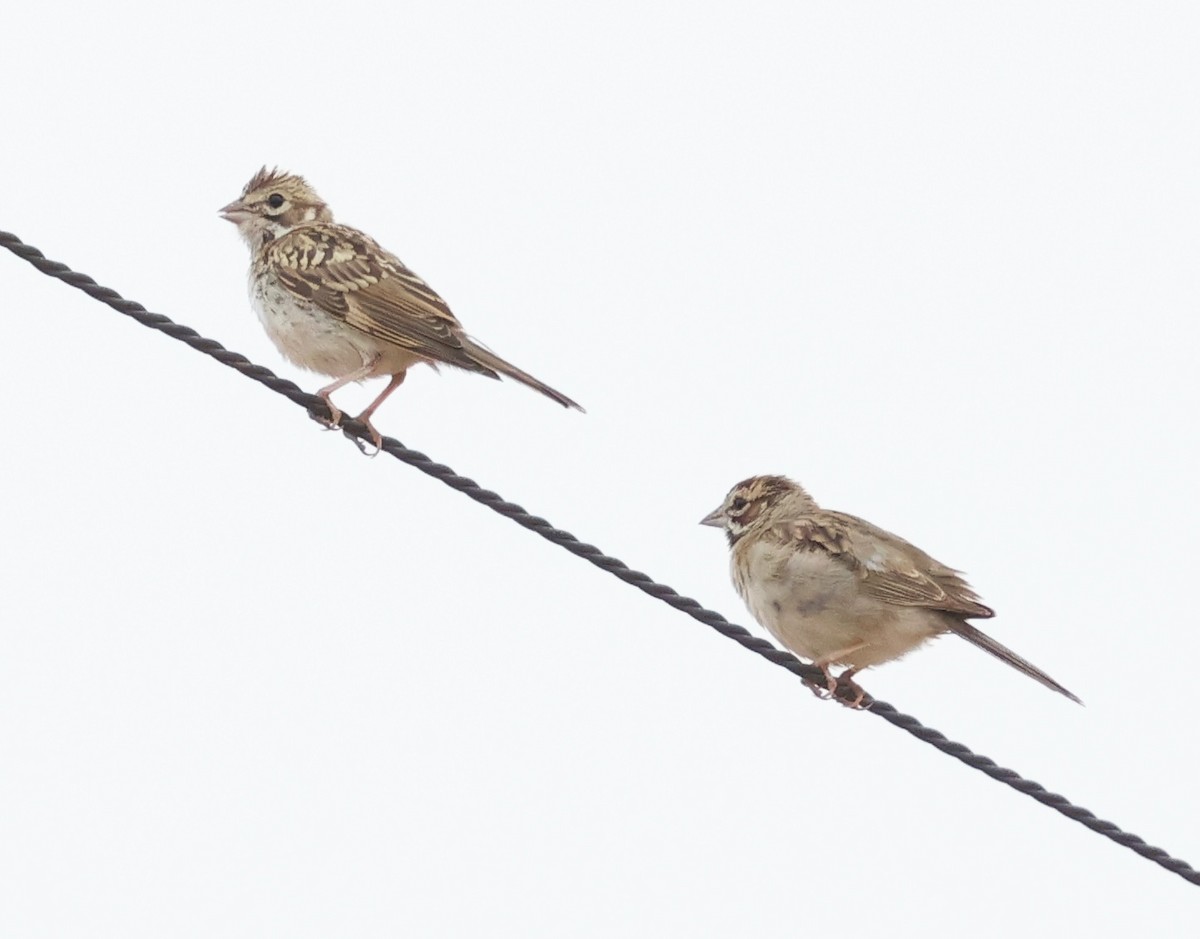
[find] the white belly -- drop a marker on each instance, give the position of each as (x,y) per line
(309,337)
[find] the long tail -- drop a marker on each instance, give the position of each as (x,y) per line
(488,359)
(1006,655)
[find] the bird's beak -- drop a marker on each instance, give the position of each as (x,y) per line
(235,212)
(714,519)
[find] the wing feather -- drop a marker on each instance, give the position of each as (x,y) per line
(348,275)
(891,569)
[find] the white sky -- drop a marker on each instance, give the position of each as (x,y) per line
(933,260)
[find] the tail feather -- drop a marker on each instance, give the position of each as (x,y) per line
(490,361)
(1006,655)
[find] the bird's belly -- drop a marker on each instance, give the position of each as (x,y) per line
(811,621)
(309,337)
(828,618)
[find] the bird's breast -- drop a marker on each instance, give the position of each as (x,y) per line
(305,334)
(814,605)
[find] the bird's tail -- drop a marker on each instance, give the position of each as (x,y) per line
(1006,655)
(489,360)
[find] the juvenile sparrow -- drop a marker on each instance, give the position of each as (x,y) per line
(334,302)
(835,589)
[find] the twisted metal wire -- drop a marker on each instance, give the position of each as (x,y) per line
(809,673)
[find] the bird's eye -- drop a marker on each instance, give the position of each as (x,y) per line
(738,504)
(275,200)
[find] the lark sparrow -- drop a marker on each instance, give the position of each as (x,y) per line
(334,302)
(839,591)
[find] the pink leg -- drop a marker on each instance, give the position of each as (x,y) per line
(845,683)
(825,661)
(357,375)
(365,416)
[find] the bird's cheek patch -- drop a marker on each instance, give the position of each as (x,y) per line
(752,511)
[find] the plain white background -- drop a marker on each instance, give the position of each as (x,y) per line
(935,260)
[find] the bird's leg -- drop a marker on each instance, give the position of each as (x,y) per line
(365,416)
(845,683)
(831,681)
(335,414)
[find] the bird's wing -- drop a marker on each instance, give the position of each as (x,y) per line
(348,275)
(895,571)
(891,569)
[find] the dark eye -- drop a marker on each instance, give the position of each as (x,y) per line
(275,200)
(737,504)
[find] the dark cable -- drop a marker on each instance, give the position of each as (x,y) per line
(591,553)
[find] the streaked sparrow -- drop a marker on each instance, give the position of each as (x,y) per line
(334,302)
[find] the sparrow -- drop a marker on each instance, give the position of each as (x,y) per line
(837,590)
(334,302)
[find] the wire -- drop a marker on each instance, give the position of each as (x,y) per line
(594,555)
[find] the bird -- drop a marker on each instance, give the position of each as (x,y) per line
(334,302)
(837,590)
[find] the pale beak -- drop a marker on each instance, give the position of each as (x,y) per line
(235,212)
(714,519)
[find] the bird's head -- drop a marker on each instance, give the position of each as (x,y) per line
(755,501)
(272,204)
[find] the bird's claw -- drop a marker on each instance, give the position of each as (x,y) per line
(848,692)
(333,421)
(371,450)
(376,444)
(841,688)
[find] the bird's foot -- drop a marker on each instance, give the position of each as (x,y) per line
(846,691)
(333,421)
(376,438)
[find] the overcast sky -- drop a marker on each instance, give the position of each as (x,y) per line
(937,261)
